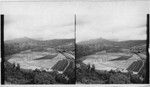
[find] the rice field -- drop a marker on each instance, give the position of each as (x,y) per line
(104,61)
(135,66)
(61,65)
(32,60)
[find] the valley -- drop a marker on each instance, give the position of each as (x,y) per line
(32,57)
(98,60)
(111,61)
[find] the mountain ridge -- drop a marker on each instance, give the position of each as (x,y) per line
(102,41)
(20,44)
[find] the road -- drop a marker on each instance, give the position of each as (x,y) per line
(142,61)
(69,58)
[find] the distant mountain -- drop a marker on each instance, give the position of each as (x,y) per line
(20,44)
(110,43)
(91,46)
(131,43)
(99,41)
(58,42)
(24,39)
(32,42)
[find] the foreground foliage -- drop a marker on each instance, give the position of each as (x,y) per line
(15,75)
(86,74)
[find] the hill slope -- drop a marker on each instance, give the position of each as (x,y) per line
(91,46)
(20,44)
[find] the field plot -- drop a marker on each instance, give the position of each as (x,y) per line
(108,61)
(135,66)
(65,64)
(33,60)
(61,65)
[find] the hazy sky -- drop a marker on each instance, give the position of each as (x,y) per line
(37,20)
(116,21)
(69,0)
(122,20)
(42,27)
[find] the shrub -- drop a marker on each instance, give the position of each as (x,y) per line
(43,78)
(119,79)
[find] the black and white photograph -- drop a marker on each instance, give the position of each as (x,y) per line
(112,44)
(75,42)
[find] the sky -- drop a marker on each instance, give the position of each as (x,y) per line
(42,21)
(65,0)
(115,21)
(42,27)
(122,20)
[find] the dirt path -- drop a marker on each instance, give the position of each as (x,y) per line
(142,62)
(68,59)
(67,65)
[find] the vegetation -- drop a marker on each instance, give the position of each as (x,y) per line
(119,78)
(21,44)
(92,46)
(86,74)
(15,75)
(84,50)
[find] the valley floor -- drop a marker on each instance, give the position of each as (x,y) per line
(38,60)
(111,61)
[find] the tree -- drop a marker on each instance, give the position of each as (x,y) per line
(88,67)
(18,67)
(43,78)
(61,78)
(135,79)
(93,68)
(119,79)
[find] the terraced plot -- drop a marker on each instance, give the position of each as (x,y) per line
(33,60)
(104,61)
(61,65)
(135,66)
(65,64)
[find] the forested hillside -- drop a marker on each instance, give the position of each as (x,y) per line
(21,44)
(89,47)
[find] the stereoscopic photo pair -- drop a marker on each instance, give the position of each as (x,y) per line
(100,44)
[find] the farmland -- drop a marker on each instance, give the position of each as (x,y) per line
(65,64)
(61,65)
(111,61)
(32,60)
(135,66)
(29,63)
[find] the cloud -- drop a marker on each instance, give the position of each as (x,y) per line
(82,20)
(111,20)
(143,31)
(119,20)
(39,26)
(67,24)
